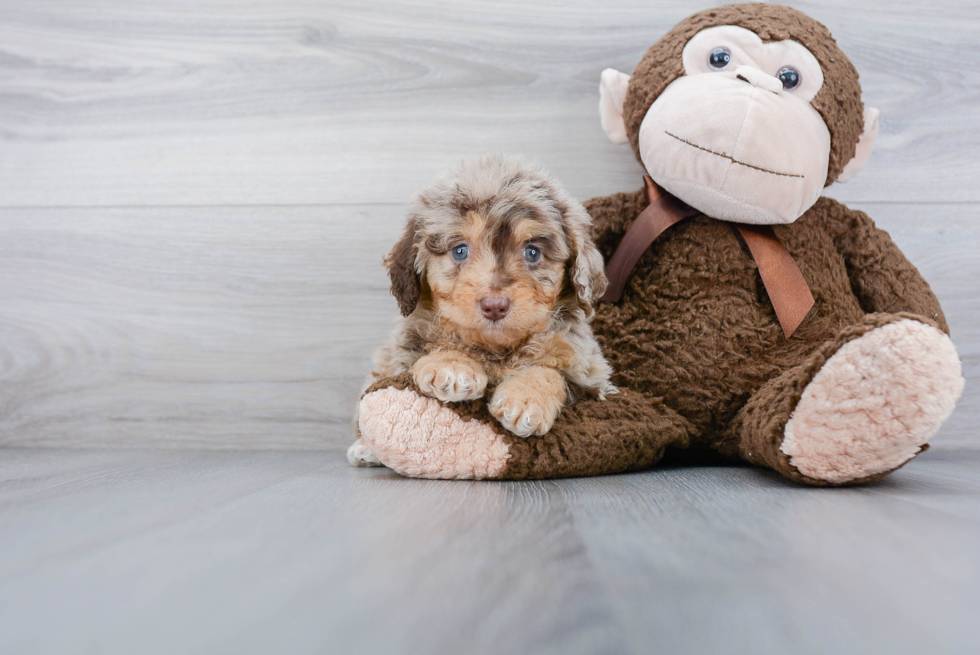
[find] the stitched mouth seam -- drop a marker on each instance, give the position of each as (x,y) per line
(731,159)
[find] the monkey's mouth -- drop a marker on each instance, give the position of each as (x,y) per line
(730,158)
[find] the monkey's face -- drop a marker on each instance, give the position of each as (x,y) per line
(737,134)
(743,128)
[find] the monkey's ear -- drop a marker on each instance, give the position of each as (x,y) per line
(612,92)
(864,146)
(405,286)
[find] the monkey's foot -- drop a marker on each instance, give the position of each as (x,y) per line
(875,403)
(418,437)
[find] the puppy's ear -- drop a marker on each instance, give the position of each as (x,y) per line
(588,271)
(405,285)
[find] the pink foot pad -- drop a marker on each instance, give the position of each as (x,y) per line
(418,437)
(875,403)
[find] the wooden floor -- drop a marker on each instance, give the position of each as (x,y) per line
(194,200)
(134,551)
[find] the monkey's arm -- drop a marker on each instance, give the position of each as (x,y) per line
(882,278)
(612,216)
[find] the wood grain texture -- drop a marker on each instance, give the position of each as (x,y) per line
(253,327)
(205,552)
(240,327)
(291,102)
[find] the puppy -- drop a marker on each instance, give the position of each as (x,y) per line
(496,275)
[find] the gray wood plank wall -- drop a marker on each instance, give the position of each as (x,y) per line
(195,196)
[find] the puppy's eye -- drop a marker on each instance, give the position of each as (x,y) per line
(461,252)
(532,255)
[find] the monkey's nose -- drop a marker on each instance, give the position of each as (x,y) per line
(757,78)
(495,307)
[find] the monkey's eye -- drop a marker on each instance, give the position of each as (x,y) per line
(461,252)
(720,57)
(790,77)
(532,255)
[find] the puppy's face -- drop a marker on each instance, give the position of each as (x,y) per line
(497,278)
(497,249)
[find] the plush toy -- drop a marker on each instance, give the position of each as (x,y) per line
(747,316)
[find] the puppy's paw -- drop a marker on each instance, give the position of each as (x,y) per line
(528,404)
(360,455)
(450,377)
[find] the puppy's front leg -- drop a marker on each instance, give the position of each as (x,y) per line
(450,376)
(528,401)
(359,454)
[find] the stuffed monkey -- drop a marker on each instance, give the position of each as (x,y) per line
(761,322)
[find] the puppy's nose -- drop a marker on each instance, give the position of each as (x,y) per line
(495,307)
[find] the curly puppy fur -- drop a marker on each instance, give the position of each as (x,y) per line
(498,228)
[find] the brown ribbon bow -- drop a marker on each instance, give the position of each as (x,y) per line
(787,288)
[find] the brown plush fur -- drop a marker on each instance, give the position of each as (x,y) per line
(838,102)
(696,306)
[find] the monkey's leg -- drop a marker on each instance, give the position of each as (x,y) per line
(863,405)
(418,436)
